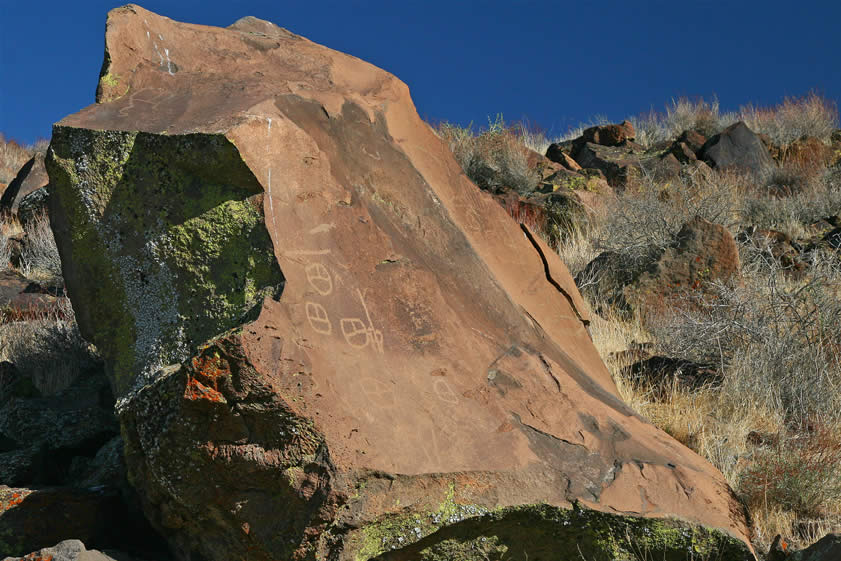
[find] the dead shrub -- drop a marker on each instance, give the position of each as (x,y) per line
(46,346)
(494,159)
(817,198)
(794,118)
(681,115)
(12,158)
(800,474)
(39,256)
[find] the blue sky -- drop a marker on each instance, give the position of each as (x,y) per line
(553,63)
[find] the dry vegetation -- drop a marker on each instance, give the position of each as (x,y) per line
(13,156)
(44,342)
(774,427)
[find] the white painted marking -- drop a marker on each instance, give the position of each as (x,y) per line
(271,202)
(308,252)
(159,53)
(168,63)
(322,228)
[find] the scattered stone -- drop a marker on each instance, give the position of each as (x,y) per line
(828,548)
(665,374)
(555,154)
(620,165)
(693,140)
(68,550)
(737,148)
(780,549)
(833,238)
(50,432)
(683,153)
(32,518)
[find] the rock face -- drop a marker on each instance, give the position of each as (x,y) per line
(737,147)
(31,177)
(325,341)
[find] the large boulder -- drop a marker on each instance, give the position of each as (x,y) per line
(325,341)
(31,177)
(701,254)
(737,148)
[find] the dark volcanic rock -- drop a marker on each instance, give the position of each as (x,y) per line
(702,252)
(664,374)
(737,147)
(692,139)
(45,435)
(326,342)
(610,135)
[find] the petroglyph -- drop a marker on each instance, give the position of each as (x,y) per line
(318,318)
(360,334)
(319,278)
(444,392)
(322,228)
(378,392)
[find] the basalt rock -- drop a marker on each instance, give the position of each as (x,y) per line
(699,255)
(737,148)
(325,341)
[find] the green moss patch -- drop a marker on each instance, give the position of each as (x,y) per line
(546,533)
(164,242)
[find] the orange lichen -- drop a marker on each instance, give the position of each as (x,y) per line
(203,382)
(197,390)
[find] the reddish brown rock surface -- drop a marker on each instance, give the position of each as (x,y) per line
(31,177)
(419,374)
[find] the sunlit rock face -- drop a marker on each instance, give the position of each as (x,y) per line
(326,342)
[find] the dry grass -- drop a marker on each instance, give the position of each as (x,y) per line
(39,259)
(494,158)
(794,118)
(772,427)
(12,157)
(681,115)
(44,343)
(47,348)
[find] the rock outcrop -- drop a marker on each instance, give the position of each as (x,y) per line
(325,341)
(737,148)
(31,178)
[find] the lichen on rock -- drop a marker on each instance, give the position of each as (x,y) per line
(171,229)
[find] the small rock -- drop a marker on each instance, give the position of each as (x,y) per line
(610,135)
(692,139)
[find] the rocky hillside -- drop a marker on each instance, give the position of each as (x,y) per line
(304,325)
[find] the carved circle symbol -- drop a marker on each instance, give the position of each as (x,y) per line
(319,278)
(317,316)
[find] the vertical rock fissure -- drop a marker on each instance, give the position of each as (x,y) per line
(549,278)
